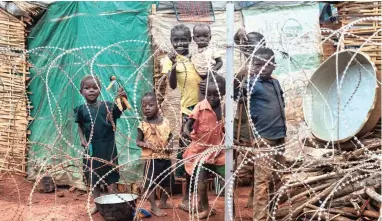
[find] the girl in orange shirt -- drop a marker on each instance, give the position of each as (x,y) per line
(206,129)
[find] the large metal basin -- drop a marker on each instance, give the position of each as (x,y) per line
(339,108)
(116,207)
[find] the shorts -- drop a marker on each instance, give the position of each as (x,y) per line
(158,172)
(219,169)
(183,142)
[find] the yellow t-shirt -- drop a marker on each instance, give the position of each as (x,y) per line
(157,135)
(187,80)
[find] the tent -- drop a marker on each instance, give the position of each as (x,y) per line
(71,40)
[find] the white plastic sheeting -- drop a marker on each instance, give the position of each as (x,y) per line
(161,25)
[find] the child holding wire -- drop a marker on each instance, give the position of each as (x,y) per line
(96,126)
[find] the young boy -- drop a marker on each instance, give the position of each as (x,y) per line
(206,129)
(154,136)
(268,118)
(242,129)
(207,59)
(181,73)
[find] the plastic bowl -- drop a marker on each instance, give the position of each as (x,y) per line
(342,99)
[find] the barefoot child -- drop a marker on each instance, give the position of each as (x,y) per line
(207,59)
(96,125)
(268,117)
(206,129)
(181,74)
(154,136)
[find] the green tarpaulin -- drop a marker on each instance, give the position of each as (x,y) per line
(71,40)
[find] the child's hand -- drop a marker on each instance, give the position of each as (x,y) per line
(284,55)
(168,151)
(123,96)
(242,100)
(150,146)
(84,143)
(172,56)
(212,71)
(242,35)
(186,132)
(121,92)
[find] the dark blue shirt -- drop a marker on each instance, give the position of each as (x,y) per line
(266,107)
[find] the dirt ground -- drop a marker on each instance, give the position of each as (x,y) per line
(15,193)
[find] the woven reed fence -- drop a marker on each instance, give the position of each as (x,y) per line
(13,102)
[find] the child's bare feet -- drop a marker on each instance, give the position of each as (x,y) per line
(249,204)
(184,206)
(93,210)
(205,213)
(158,212)
(165,206)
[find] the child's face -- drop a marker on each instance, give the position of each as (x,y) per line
(261,68)
(213,95)
(180,41)
(253,42)
(202,36)
(90,90)
(149,106)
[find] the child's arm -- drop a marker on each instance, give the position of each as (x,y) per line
(188,127)
(170,144)
(141,143)
(240,36)
(282,95)
(82,136)
(79,120)
(218,65)
(172,72)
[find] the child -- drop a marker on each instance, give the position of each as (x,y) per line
(154,136)
(181,73)
(206,59)
(96,125)
(252,41)
(268,118)
(242,129)
(206,128)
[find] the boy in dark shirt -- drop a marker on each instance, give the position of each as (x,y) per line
(266,107)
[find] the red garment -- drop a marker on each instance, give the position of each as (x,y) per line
(207,130)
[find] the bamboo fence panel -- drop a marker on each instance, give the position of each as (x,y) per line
(14,117)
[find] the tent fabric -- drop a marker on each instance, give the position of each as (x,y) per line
(71,40)
(292,27)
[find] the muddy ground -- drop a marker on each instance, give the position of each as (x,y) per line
(15,193)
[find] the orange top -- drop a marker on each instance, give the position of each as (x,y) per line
(157,135)
(207,131)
